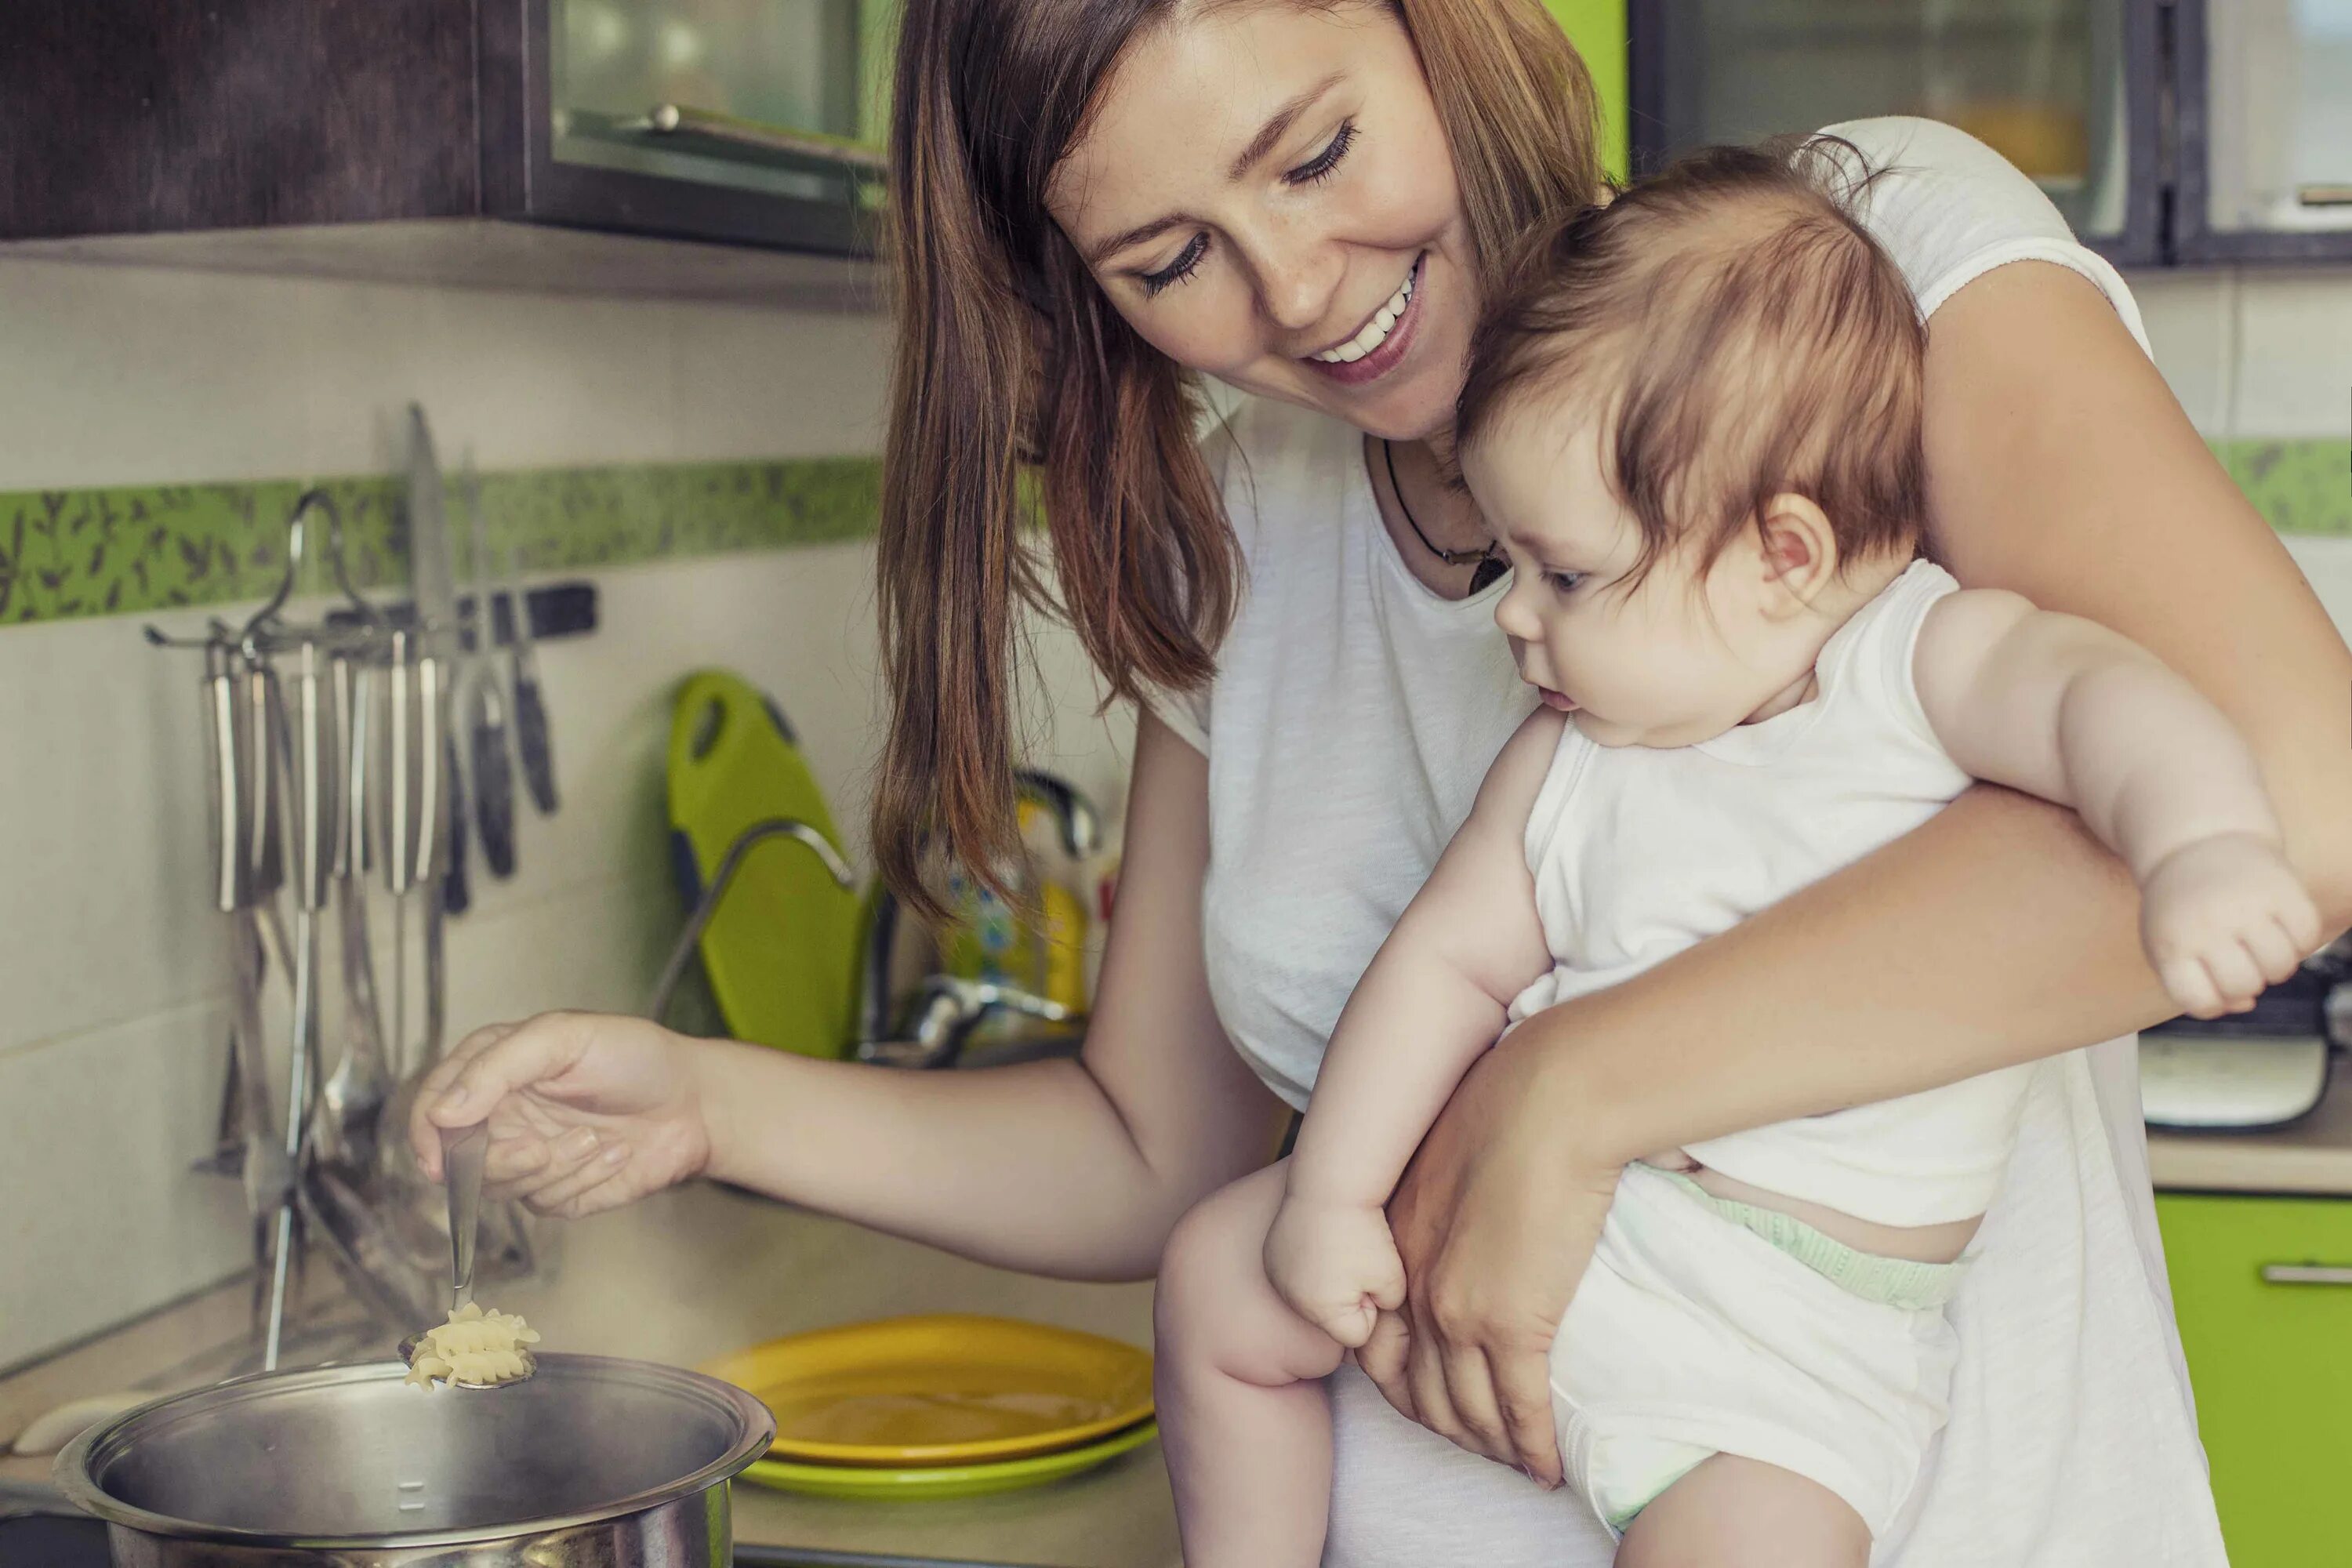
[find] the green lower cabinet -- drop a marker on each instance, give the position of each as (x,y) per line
(2263,1289)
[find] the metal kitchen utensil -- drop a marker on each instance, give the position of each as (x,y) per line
(310,760)
(234,795)
(352,1101)
(464,1151)
(594,1461)
(492,759)
(436,588)
(533,737)
(463,1154)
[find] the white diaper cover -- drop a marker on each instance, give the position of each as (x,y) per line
(1705,1328)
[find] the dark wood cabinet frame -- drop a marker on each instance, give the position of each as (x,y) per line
(158,116)
(2194,239)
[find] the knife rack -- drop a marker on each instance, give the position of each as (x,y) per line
(558,610)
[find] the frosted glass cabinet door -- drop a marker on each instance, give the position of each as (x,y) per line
(778,96)
(2066,90)
(2266,122)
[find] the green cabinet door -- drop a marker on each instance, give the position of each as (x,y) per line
(2264,1289)
(1596,28)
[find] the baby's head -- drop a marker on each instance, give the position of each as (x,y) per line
(1693,422)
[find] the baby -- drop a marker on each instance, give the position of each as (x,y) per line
(1694,425)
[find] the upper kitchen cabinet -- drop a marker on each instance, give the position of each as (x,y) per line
(2265,89)
(2069,90)
(746,120)
(752,122)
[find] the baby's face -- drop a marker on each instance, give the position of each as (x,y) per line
(1678,657)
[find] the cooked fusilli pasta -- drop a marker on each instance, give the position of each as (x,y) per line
(473,1346)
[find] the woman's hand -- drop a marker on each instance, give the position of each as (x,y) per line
(1495,1219)
(587,1111)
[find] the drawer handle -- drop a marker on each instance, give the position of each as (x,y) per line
(2328,196)
(2306,1274)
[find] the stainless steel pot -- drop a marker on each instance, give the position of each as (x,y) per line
(617,1464)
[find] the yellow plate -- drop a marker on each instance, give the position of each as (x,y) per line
(946,1390)
(867,1484)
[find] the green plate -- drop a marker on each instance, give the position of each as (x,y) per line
(953,1481)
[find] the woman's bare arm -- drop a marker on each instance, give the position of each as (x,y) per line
(2000,932)
(1074,1168)
(1071,1168)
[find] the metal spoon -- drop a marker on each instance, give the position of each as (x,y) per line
(464,1151)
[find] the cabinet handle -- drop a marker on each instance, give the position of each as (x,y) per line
(2306,1274)
(2325,195)
(672,120)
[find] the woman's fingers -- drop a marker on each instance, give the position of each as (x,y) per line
(1523,1390)
(423,1134)
(531,1053)
(1382,1358)
(1470,1385)
(1425,1375)
(551,1195)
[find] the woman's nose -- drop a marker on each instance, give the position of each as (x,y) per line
(1298,281)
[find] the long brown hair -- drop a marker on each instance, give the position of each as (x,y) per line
(1012,369)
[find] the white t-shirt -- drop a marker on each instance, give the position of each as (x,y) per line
(1352,718)
(1640,852)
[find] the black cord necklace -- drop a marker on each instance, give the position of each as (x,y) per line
(1490,564)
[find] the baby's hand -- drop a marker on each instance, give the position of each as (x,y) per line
(1336,1266)
(2221,918)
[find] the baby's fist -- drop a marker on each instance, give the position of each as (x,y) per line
(2223,917)
(1336,1266)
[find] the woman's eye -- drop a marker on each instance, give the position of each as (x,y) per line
(1187,261)
(1319,166)
(1564,581)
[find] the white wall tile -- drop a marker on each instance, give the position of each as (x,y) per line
(130,374)
(2327,563)
(2188,314)
(100,1215)
(2295,371)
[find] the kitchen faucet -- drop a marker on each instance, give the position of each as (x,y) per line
(946,1008)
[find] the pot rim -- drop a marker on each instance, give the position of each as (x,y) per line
(73,1472)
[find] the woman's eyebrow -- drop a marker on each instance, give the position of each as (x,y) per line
(1278,126)
(1269,135)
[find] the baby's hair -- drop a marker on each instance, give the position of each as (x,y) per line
(1736,334)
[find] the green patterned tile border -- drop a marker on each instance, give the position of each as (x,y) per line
(129,549)
(2301,487)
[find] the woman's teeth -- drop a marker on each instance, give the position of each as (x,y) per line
(1376,330)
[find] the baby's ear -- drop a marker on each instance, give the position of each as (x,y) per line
(1800,547)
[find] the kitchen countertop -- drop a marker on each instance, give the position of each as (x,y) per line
(685,1278)
(2312,1156)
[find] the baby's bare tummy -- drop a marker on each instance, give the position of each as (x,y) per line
(1920,1244)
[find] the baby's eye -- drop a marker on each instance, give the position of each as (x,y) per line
(1564,581)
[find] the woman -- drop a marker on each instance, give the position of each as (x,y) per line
(1303,199)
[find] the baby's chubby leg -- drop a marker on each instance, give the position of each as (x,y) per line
(1735,1513)
(1243,1421)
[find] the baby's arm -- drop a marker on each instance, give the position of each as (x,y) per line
(1437,994)
(2082,716)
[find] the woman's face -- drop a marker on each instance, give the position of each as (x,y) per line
(1267,197)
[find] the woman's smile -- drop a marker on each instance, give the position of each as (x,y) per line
(1380,346)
